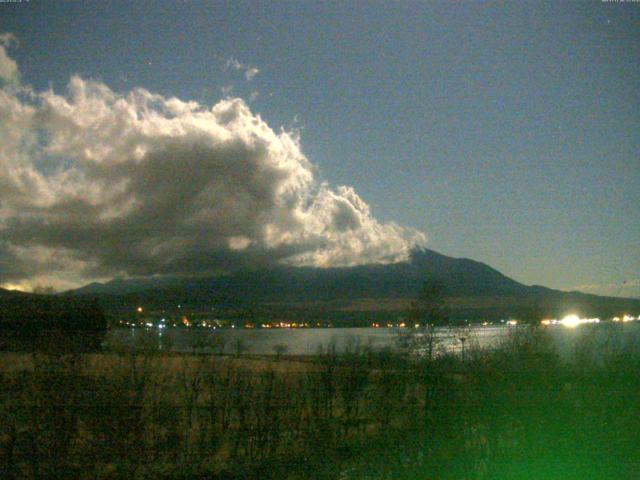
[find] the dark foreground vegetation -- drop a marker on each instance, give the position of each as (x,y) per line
(517,412)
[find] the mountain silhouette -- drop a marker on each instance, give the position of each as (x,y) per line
(474,290)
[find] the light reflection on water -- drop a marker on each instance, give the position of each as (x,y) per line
(310,341)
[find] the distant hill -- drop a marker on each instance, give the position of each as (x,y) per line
(20,311)
(4,293)
(475,290)
(120,286)
(50,323)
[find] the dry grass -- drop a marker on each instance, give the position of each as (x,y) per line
(101,363)
(361,415)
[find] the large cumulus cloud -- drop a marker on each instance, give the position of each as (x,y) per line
(102,183)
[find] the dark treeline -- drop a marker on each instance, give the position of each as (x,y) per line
(31,311)
(341,314)
(46,322)
(518,411)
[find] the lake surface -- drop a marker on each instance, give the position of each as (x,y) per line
(310,341)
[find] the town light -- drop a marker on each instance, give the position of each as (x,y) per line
(571,321)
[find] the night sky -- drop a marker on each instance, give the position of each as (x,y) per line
(145,138)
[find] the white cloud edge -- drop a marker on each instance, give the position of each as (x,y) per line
(89,128)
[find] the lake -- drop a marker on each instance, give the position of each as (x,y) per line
(309,341)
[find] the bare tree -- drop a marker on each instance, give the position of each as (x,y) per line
(428,312)
(239,347)
(280,349)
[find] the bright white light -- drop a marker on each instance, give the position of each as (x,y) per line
(571,321)
(512,322)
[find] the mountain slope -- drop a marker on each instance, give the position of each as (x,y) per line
(400,280)
(475,290)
